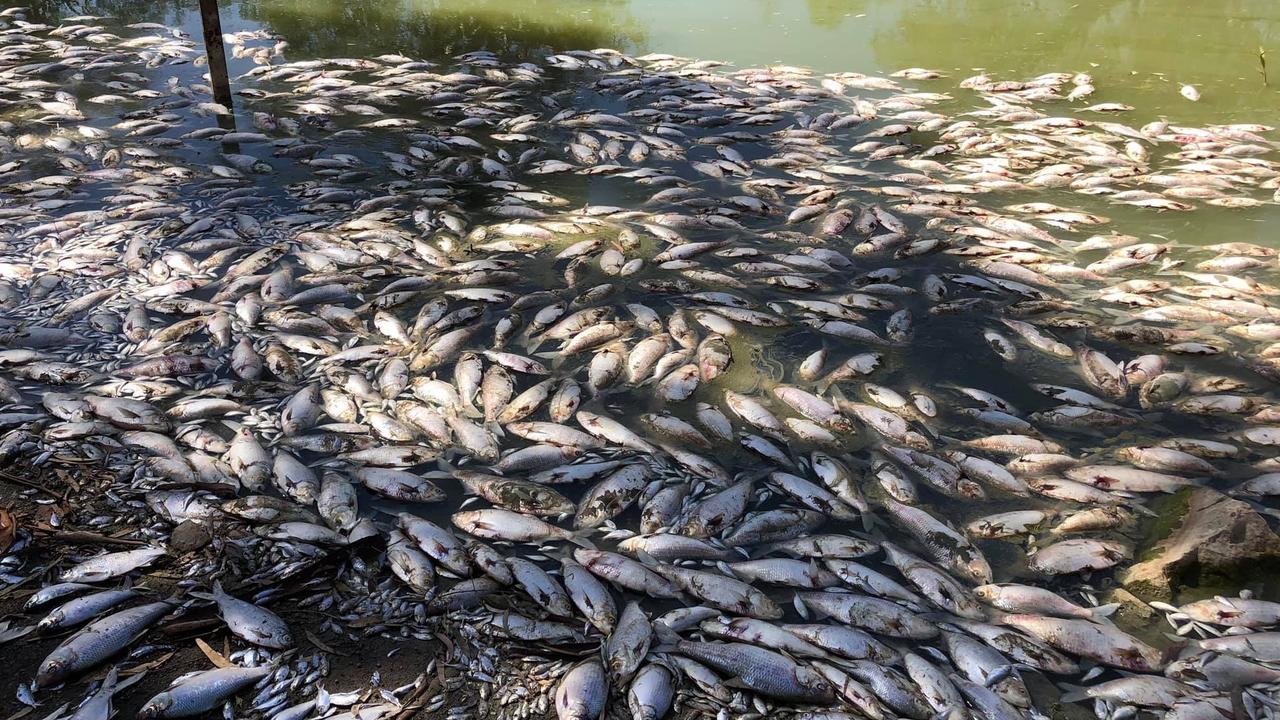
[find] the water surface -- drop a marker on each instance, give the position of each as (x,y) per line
(1140,52)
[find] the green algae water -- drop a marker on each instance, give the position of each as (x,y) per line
(1140,53)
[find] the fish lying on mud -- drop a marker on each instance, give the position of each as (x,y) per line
(846,408)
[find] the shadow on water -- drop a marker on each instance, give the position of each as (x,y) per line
(442,28)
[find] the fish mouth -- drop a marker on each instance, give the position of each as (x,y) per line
(51,673)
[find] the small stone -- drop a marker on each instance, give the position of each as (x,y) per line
(188,537)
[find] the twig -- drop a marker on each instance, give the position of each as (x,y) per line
(183,627)
(408,708)
(27,483)
(84,537)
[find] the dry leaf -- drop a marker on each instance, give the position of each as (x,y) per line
(8,528)
(214,656)
(27,711)
(317,642)
(148,666)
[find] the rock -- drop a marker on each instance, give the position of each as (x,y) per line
(188,537)
(1131,609)
(1217,537)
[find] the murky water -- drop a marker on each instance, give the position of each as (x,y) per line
(1139,52)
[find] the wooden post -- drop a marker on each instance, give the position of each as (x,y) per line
(214,52)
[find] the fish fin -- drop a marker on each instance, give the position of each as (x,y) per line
(1264,510)
(936,617)
(868,521)
(201,595)
(130,681)
(1103,611)
(667,639)
(11,634)
(736,683)
(817,612)
(797,602)
(1123,315)
(1072,693)
(580,538)
(561,554)
(646,559)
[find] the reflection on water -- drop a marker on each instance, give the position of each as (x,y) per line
(441,28)
(50,11)
(1140,51)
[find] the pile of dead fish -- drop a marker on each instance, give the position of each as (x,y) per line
(852,404)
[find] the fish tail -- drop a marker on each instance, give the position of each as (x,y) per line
(1103,611)
(868,521)
(667,639)
(1142,509)
(1073,693)
(580,538)
(837,393)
